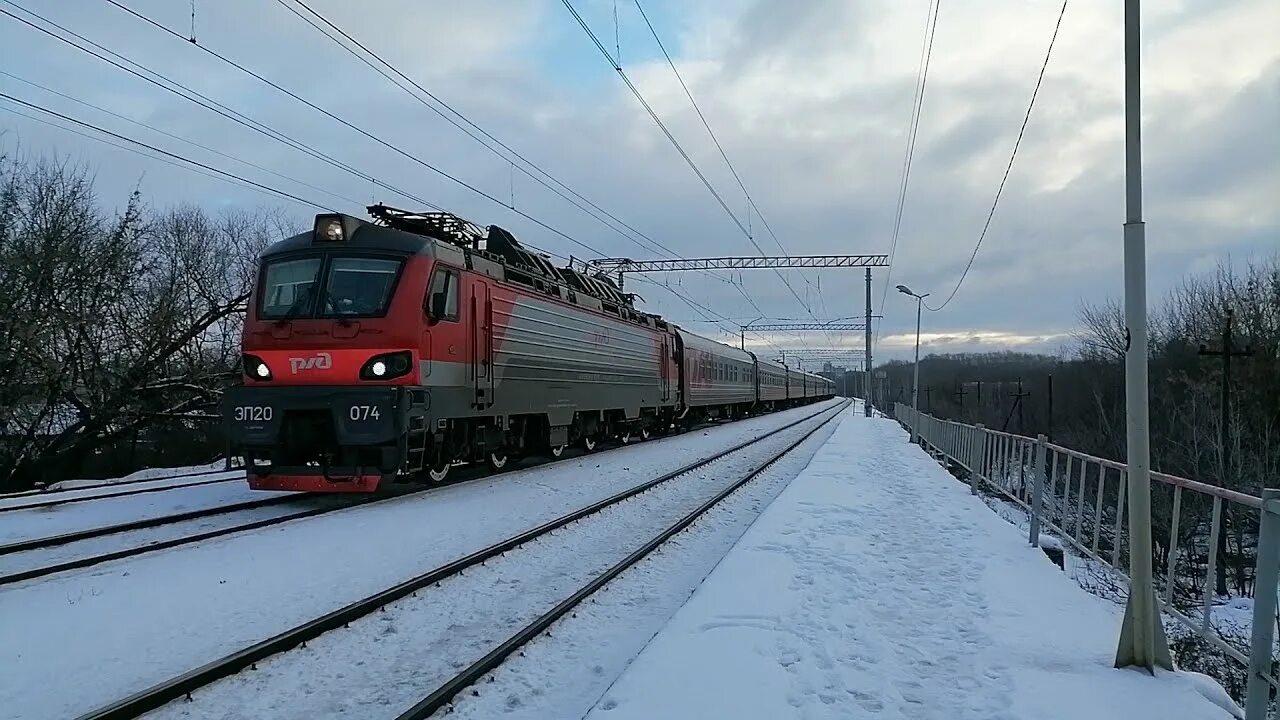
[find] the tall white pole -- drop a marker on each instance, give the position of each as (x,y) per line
(866,385)
(1142,640)
(915,383)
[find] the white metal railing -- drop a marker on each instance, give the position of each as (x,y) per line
(1081,498)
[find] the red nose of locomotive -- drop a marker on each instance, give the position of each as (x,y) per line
(331,382)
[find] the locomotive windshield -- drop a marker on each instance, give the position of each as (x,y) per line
(289,288)
(344,286)
(359,285)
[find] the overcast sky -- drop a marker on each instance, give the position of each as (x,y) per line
(810,100)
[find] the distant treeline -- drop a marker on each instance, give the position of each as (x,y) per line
(1077,398)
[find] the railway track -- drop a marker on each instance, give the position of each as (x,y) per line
(330,504)
(183,685)
(39,498)
(96,558)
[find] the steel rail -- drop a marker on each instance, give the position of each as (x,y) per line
(77,535)
(182,685)
(125,493)
(20,494)
(444,694)
(91,560)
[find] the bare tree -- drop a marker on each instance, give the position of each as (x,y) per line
(111,324)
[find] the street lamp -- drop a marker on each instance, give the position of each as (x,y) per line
(915,384)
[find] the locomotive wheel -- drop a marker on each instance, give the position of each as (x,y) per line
(644,432)
(558,451)
(588,443)
(497,460)
(625,437)
(439,471)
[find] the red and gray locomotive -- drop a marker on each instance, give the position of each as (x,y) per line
(388,351)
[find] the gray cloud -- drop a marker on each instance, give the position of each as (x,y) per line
(810,100)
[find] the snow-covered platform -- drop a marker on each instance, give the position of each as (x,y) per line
(876,586)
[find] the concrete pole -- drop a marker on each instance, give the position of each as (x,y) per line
(868,385)
(1142,640)
(915,383)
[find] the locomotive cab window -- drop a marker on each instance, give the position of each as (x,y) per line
(359,285)
(442,295)
(288,288)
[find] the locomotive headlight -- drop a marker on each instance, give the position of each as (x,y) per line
(329,228)
(255,368)
(387,366)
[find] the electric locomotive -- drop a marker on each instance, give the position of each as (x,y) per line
(389,351)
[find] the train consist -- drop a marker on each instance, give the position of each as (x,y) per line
(387,351)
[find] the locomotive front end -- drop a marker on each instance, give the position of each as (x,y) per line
(330,392)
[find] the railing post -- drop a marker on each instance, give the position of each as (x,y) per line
(1215,528)
(1258,692)
(1037,490)
(977,455)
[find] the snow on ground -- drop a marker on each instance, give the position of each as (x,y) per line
(562,675)
(79,639)
(133,477)
(43,557)
(41,522)
(876,586)
(98,491)
(414,645)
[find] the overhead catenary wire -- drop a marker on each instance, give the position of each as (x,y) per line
(459,120)
(450,114)
(613,63)
(171,86)
(173,156)
(174,136)
(724,156)
(365,133)
(1009,167)
(135,150)
(917,108)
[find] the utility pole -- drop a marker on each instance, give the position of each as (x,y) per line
(1049,434)
(1022,428)
(959,396)
(1142,640)
(1017,406)
(866,403)
(1227,352)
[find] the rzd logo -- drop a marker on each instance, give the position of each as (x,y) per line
(321,361)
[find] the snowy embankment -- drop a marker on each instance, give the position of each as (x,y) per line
(113,488)
(77,640)
(417,643)
(43,522)
(875,585)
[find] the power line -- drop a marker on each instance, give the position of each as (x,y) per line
(707,125)
(470,128)
(198,98)
(705,311)
(174,136)
(358,129)
(675,143)
(166,153)
(723,155)
(636,235)
(122,146)
(917,108)
(1026,118)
